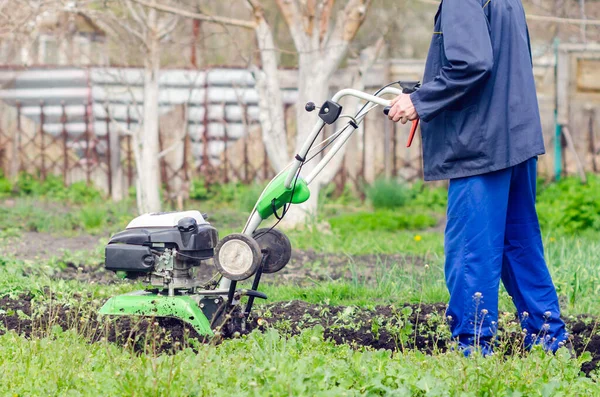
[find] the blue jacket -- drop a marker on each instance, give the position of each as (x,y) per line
(478,102)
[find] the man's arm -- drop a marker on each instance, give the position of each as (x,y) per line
(468,50)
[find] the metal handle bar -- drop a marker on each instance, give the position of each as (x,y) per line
(319,124)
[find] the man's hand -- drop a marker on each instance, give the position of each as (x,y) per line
(402,109)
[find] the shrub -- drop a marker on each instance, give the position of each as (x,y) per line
(198,190)
(387,193)
(570,206)
(26,184)
(5,187)
(432,198)
(81,193)
(53,188)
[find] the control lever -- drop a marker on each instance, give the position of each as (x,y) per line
(408,87)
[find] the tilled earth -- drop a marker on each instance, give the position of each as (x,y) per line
(395,328)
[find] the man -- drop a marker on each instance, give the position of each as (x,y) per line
(481,130)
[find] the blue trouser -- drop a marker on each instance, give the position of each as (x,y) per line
(493,233)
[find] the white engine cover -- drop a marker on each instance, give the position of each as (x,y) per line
(164,219)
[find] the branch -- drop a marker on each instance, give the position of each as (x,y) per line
(129,29)
(352,18)
(108,28)
(292,15)
(168,27)
(325,19)
(346,27)
(194,15)
(135,14)
(178,142)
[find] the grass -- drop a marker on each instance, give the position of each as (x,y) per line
(369,242)
(49,216)
(61,362)
(269,364)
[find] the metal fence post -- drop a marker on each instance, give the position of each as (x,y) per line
(17,158)
(225,151)
(246,137)
(87,143)
(42,143)
(129,162)
(592,139)
(65,137)
(108,154)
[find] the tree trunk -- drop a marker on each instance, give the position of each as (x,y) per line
(270,101)
(116,165)
(313,86)
(149,186)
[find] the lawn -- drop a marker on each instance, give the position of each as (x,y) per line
(358,311)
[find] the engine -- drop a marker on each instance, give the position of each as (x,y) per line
(163,248)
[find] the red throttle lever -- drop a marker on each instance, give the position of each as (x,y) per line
(413,129)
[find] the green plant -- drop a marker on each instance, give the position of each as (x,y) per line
(53,188)
(198,190)
(570,206)
(92,217)
(26,184)
(81,193)
(345,197)
(5,187)
(388,193)
(247,196)
(432,198)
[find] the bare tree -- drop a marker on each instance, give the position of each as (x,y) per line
(321,44)
(147,27)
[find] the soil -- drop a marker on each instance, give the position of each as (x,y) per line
(32,319)
(394,328)
(38,245)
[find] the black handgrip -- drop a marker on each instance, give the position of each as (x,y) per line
(386,110)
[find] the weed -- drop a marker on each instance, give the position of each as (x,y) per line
(92,218)
(6,186)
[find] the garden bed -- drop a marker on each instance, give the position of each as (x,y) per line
(395,328)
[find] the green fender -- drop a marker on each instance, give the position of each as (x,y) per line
(182,307)
(276,195)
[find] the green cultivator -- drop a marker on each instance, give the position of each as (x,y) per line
(166,249)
